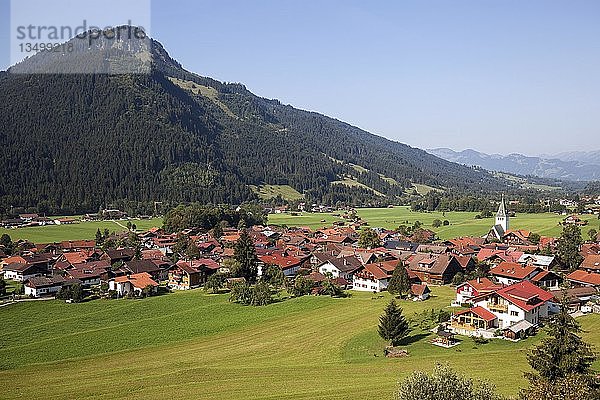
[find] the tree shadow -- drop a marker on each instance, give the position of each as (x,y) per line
(413,339)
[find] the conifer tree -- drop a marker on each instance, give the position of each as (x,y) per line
(393,326)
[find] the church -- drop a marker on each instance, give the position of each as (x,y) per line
(502,223)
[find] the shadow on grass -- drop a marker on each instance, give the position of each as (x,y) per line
(413,339)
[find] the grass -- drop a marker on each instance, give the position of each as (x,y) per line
(82,230)
(193,345)
(286,192)
(354,183)
(461,223)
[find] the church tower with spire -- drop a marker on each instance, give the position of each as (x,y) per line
(502,218)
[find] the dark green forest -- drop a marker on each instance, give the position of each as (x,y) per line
(77,143)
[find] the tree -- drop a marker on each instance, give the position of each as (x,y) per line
(331,289)
(593,234)
(273,275)
(214,283)
(77,293)
(458,278)
(399,282)
(393,326)
(302,286)
(217,231)
(446,222)
(568,246)
(261,294)
(7,243)
(369,239)
(2,286)
(245,255)
(562,352)
(436,223)
(192,252)
(534,238)
(571,387)
(443,384)
(99,237)
(240,293)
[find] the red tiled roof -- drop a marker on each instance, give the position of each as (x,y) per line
(525,295)
(591,261)
(480,312)
(513,270)
(139,281)
(584,277)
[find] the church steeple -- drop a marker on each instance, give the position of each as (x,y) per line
(502,215)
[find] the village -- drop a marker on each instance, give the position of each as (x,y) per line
(506,283)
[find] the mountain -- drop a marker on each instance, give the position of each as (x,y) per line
(585,157)
(77,142)
(569,168)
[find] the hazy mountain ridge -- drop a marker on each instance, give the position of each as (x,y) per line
(569,168)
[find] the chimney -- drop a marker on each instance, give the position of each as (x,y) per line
(478,280)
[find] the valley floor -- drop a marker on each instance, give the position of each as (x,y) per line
(193,345)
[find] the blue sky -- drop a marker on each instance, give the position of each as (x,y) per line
(497,76)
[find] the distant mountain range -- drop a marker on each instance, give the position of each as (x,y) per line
(573,166)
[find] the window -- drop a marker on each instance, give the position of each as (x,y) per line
(514,313)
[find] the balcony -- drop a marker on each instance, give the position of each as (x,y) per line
(501,308)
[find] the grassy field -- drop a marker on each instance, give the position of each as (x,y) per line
(82,230)
(267,192)
(192,345)
(461,223)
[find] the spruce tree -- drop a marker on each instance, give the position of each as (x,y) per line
(563,352)
(393,326)
(245,255)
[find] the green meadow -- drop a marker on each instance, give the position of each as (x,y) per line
(81,230)
(193,345)
(461,223)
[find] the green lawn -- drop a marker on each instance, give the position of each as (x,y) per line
(82,230)
(461,223)
(193,345)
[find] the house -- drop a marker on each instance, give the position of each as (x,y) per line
(135,283)
(591,263)
(420,291)
(47,286)
(288,263)
(138,266)
(518,237)
(90,273)
(22,271)
(371,278)
(340,267)
(191,274)
(436,269)
(502,309)
(474,288)
(576,297)
(547,279)
(520,301)
(574,220)
(114,256)
(508,273)
(579,278)
(544,262)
